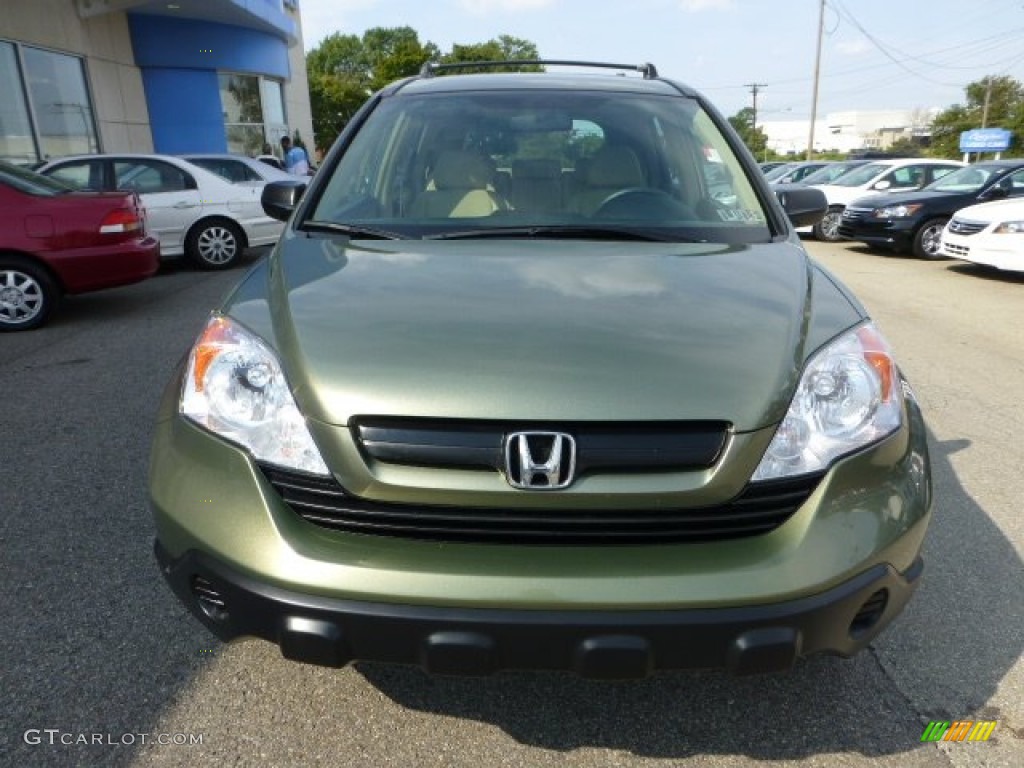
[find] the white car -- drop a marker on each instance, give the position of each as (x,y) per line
(191,210)
(990,234)
(895,175)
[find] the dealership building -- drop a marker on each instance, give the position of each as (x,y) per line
(170,76)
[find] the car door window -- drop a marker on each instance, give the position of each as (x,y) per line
(1015,183)
(83,174)
(907,177)
(234,171)
(938,171)
(148,177)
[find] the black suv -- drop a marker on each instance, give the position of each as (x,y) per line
(913,221)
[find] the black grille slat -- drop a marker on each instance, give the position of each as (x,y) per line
(478,445)
(540,536)
(760,509)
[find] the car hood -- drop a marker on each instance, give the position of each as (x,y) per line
(542,330)
(934,200)
(999,210)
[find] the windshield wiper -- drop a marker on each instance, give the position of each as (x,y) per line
(562,231)
(352,230)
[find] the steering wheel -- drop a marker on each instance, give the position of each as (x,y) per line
(640,203)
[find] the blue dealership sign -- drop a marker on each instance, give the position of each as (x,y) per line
(985,140)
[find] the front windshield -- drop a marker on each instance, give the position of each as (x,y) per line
(779,171)
(486,162)
(858,177)
(970,179)
(828,174)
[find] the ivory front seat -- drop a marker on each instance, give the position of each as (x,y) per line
(462,188)
(611,170)
(537,185)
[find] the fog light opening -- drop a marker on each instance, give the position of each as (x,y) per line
(209,599)
(869,614)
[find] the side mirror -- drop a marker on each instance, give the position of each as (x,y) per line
(280,198)
(881,186)
(805,206)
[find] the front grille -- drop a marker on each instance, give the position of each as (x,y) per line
(855,214)
(955,250)
(457,444)
(962,227)
(761,508)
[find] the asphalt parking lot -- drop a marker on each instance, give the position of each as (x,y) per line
(94,644)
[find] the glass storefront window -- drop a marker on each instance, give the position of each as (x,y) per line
(17,144)
(273,102)
(60,101)
(253,112)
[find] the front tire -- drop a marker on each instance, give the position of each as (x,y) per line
(28,295)
(828,228)
(215,244)
(928,240)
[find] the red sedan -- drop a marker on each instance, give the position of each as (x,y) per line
(56,241)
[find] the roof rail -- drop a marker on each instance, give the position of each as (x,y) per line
(430,68)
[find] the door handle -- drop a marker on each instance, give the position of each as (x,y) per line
(184,204)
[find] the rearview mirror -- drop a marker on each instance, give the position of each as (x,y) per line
(280,198)
(805,206)
(882,185)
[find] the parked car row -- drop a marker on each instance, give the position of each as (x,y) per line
(930,208)
(56,241)
(89,222)
(193,211)
(913,222)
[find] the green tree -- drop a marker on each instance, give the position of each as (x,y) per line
(753,137)
(502,48)
(343,70)
(1005,110)
(333,99)
(394,53)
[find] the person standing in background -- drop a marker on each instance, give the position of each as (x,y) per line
(296,161)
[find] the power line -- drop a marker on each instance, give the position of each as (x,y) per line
(882,47)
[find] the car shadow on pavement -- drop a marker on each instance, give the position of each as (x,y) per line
(942,659)
(983,272)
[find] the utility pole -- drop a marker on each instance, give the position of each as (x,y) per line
(817,70)
(755,88)
(988,99)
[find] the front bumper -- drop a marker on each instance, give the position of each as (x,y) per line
(891,233)
(997,251)
(601,644)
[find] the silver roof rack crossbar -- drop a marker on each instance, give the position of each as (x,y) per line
(430,68)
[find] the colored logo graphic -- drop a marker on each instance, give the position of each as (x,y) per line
(960,730)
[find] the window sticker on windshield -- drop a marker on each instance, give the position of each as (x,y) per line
(740,215)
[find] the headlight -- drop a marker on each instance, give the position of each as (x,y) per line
(1009,228)
(235,388)
(849,396)
(896,211)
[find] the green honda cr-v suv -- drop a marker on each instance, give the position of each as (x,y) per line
(539,376)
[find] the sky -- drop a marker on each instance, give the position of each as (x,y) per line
(875,54)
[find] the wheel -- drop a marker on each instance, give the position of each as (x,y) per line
(645,203)
(215,244)
(828,228)
(28,295)
(928,240)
